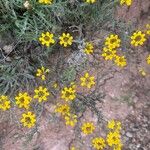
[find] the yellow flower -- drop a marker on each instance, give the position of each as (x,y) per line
(90,1)
(113,138)
(55,85)
(111,124)
(65,39)
(112,41)
(138,38)
(148,29)
(120,61)
(87,80)
(4,103)
(41,72)
(71,119)
(142,72)
(88,128)
(64,109)
(46,39)
(108,54)
(68,93)
(41,93)
(89,48)
(148,60)
(73,148)
(23,100)
(46,1)
(98,143)
(127,2)
(114,125)
(28,119)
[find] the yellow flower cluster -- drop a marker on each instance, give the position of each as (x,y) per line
(4,103)
(64,110)
(127,2)
(89,48)
(138,38)
(48,38)
(87,80)
(45,1)
(114,137)
(41,72)
(88,128)
(23,100)
(109,52)
(68,94)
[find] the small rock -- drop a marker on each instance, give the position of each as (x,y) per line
(129,134)
(8,48)
(8,59)
(138,146)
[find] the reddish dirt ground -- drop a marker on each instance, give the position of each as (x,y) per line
(127,100)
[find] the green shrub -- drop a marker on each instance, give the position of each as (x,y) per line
(25,24)
(28,23)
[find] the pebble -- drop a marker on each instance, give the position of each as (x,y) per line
(129,134)
(8,48)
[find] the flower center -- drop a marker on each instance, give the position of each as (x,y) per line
(40,94)
(121,60)
(88,128)
(99,143)
(138,38)
(114,138)
(28,119)
(88,80)
(66,39)
(67,94)
(46,38)
(64,110)
(113,41)
(22,99)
